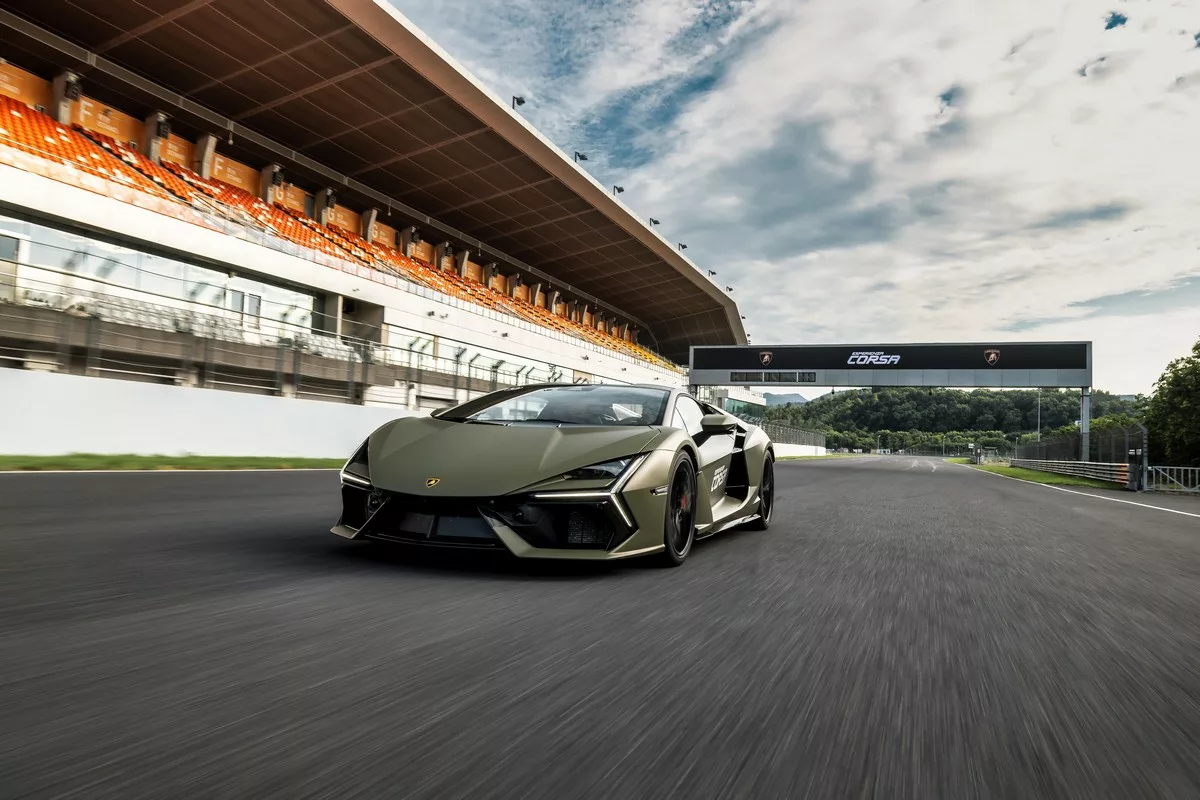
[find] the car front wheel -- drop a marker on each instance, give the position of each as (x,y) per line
(679,527)
(766,496)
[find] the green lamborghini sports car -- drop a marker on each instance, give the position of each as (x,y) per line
(562,471)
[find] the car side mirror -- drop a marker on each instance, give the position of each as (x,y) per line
(717,423)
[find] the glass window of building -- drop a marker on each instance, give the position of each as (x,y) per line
(8,248)
(253,309)
(163,279)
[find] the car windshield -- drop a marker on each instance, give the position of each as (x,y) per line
(606,404)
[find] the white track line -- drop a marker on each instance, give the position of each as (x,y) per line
(1081,494)
(148,471)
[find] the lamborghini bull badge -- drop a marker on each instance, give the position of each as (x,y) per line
(992,357)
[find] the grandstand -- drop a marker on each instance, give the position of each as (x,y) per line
(323,205)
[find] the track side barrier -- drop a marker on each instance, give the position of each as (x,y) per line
(1110,473)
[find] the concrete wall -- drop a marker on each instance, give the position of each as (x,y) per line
(52,414)
(782,450)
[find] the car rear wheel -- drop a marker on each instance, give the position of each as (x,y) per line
(766,496)
(679,527)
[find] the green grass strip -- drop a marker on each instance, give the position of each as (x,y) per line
(1049,478)
(93,461)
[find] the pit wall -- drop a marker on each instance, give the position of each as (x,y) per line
(47,414)
(786,450)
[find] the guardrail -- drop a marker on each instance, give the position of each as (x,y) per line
(1099,471)
(1173,479)
(786,434)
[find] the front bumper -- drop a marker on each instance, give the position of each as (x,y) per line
(530,525)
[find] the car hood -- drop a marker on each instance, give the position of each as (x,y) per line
(480,460)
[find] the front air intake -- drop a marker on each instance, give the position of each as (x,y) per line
(588,528)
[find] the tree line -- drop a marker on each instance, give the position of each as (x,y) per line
(928,420)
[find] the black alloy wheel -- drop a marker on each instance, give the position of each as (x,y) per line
(679,529)
(766,495)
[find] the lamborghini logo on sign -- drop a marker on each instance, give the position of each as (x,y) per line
(992,356)
(432,482)
(765,358)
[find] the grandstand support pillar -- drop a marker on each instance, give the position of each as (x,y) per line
(439,255)
(488,273)
(572,307)
(623,331)
(188,376)
(38,361)
(269,182)
(512,282)
(67,92)
(281,369)
(461,261)
(155,131)
(409,237)
(367,224)
(552,300)
(633,335)
(203,155)
(534,291)
(325,200)
(1085,424)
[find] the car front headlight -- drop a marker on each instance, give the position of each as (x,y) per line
(357,470)
(604,471)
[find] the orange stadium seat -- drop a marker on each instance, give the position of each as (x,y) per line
(139,162)
(37,134)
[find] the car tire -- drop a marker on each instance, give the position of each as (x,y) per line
(766,496)
(679,521)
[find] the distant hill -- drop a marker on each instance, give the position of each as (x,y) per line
(909,408)
(784,399)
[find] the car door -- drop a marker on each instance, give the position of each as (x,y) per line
(715,451)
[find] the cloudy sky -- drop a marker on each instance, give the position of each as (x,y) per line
(888,170)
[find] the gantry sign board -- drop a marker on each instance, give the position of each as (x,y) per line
(982,365)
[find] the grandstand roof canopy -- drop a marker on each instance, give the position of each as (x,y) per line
(350,87)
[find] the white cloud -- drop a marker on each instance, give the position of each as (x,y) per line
(824,165)
(569,58)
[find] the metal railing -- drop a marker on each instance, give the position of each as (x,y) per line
(1105,445)
(95,333)
(1109,473)
(232,332)
(786,434)
(1185,480)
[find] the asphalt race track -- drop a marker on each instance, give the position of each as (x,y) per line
(906,629)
